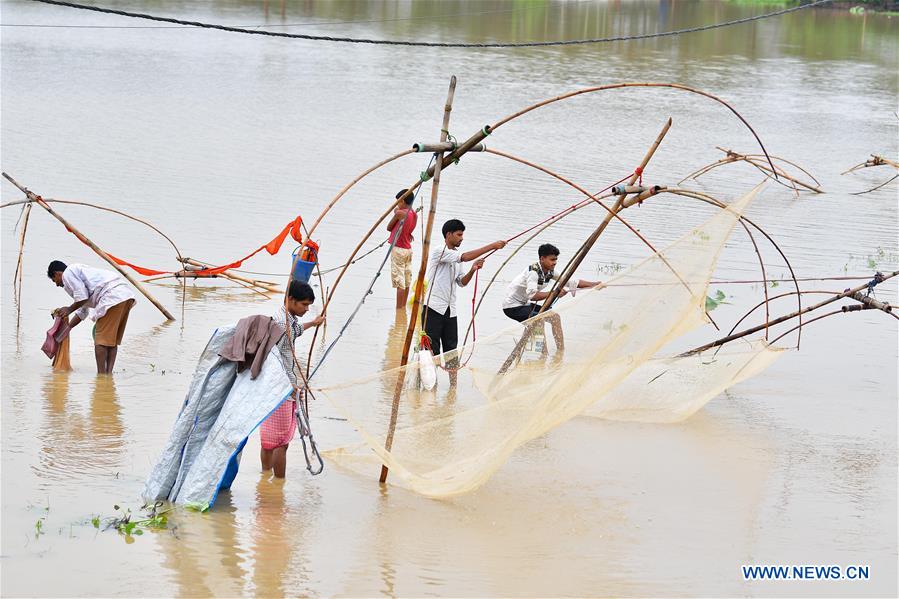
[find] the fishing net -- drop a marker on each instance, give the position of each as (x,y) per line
(518,384)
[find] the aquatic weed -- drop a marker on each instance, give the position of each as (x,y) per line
(713,302)
(125,524)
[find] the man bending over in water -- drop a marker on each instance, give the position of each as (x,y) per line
(103,295)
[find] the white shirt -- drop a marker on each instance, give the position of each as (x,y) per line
(444,274)
(525,286)
(102,289)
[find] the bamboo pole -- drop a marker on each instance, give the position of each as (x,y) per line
(579,256)
(419,281)
(268,286)
(843,310)
(446,146)
(17,276)
(848,293)
(40,202)
(870,302)
(876,160)
(577,259)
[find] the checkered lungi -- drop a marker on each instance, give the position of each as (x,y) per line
(277,430)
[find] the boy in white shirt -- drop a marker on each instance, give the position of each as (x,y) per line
(444,275)
(534,284)
(105,297)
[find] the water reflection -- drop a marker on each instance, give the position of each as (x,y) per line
(272,543)
(202,551)
(73,444)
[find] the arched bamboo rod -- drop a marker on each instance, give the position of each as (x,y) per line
(760,167)
(633,84)
(733,157)
(887,182)
(318,220)
(875,160)
(749,331)
(464,147)
(781,159)
(771,299)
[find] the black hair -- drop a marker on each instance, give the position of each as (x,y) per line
(55,266)
(300,291)
(452,225)
(547,249)
(409,199)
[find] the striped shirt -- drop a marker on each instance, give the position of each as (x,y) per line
(284,346)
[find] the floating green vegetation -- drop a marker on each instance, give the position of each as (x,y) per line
(39,527)
(713,302)
(880,257)
(126,525)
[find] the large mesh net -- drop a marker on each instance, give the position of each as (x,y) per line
(525,380)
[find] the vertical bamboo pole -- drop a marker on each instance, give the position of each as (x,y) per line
(419,281)
(35,198)
(585,248)
(17,277)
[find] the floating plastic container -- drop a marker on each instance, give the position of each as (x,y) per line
(304,264)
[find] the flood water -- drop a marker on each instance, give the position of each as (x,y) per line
(220,139)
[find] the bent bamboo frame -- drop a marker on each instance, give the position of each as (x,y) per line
(478,137)
(753,159)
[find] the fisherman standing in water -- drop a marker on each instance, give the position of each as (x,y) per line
(445,274)
(277,431)
(105,297)
(401,255)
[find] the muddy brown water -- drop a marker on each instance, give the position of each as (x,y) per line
(221,139)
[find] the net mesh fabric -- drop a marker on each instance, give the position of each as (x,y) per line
(451,442)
